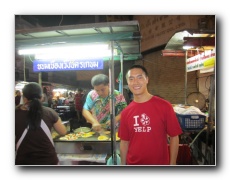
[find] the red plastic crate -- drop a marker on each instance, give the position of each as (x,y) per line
(184,156)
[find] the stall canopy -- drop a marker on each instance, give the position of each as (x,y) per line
(125,34)
(197,42)
(121,36)
(194,44)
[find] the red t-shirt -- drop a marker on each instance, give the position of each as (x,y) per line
(146,126)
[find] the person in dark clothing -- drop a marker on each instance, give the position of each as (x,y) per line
(78,103)
(17,97)
(33,124)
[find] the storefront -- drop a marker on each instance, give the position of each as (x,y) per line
(199,124)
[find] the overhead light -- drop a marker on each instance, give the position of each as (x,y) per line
(76,51)
(187,47)
(60,90)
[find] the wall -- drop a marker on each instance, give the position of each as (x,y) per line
(167,77)
(167,74)
(204,83)
(157,30)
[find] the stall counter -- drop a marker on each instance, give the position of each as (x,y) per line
(86,150)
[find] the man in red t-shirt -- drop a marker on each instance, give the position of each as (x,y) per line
(145,125)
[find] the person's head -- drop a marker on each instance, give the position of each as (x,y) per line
(18,93)
(32,94)
(79,91)
(137,79)
(32,91)
(100,83)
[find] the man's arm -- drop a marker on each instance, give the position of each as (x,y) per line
(123,151)
(174,146)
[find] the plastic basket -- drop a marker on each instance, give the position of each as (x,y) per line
(191,121)
(110,160)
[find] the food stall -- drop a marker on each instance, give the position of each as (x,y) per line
(198,48)
(84,145)
(122,41)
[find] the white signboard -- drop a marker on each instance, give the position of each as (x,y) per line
(201,61)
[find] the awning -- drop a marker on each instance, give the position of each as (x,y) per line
(125,34)
(199,41)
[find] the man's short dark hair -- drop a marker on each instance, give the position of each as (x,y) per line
(139,67)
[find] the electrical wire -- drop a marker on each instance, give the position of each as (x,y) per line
(30,58)
(208,88)
(61,20)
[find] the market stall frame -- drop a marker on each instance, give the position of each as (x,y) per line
(123,36)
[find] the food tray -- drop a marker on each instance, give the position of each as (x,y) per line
(82,129)
(191,121)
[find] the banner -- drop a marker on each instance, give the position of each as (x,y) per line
(67,65)
(201,61)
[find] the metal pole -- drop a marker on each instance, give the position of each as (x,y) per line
(185,83)
(24,68)
(211,121)
(40,79)
(110,92)
(121,60)
(112,107)
(211,111)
